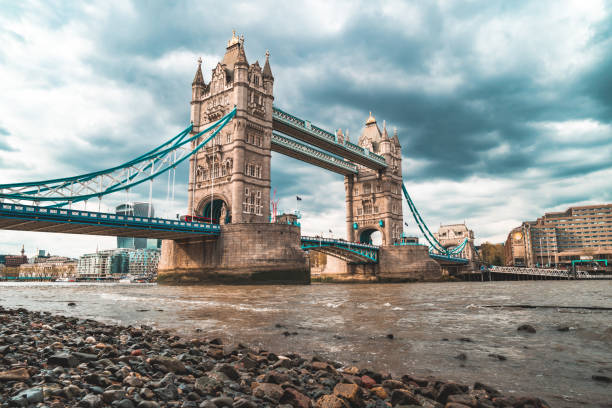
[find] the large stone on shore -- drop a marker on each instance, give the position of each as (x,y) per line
(268,390)
(91,401)
(207,385)
(172,364)
(17,374)
(447,389)
(295,398)
(526,328)
(350,392)
(403,397)
(380,392)
(63,359)
(26,397)
(113,395)
(331,401)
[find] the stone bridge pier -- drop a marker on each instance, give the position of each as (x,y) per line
(243,253)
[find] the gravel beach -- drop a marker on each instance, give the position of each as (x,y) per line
(55,361)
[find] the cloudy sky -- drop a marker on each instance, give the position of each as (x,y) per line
(504,109)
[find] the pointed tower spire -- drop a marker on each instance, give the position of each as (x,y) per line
(199,78)
(371,119)
(242,59)
(267,71)
(385,135)
(395,138)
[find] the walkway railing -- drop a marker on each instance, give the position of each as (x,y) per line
(307,127)
(449,258)
(304,149)
(367,251)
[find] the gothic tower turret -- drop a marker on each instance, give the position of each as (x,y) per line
(373,198)
(229,179)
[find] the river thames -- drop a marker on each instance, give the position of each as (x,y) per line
(455,331)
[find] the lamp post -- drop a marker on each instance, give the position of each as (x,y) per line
(541,252)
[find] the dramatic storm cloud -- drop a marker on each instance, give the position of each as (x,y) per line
(503,109)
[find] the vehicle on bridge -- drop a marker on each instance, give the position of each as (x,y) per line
(195,218)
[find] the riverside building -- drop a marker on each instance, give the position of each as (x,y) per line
(115,263)
(579,234)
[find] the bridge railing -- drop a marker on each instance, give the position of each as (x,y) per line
(330,137)
(449,257)
(532,271)
(339,242)
(309,151)
(61,213)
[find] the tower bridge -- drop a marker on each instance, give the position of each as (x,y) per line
(234,128)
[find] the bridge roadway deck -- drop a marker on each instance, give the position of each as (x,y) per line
(304,131)
(19,217)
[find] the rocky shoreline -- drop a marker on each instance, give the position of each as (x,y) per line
(57,361)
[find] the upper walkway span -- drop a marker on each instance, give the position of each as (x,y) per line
(305,131)
(306,153)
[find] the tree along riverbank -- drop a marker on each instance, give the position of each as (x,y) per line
(58,361)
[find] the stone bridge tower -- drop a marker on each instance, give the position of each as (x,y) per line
(229,179)
(374,198)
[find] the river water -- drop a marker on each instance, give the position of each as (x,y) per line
(431,323)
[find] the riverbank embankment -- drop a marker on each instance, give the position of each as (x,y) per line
(57,361)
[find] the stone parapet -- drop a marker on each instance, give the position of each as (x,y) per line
(243,253)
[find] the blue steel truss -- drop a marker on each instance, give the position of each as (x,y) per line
(449,258)
(304,151)
(49,219)
(435,244)
(365,252)
(305,126)
(63,191)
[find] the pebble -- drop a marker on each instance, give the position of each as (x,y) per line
(75,362)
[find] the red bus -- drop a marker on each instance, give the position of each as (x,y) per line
(189,218)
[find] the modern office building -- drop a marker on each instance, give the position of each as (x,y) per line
(579,234)
(107,264)
(116,263)
(136,210)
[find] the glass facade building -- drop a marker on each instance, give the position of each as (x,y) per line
(136,210)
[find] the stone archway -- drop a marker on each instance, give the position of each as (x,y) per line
(372,236)
(220,212)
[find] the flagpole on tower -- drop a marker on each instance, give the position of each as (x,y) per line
(297,205)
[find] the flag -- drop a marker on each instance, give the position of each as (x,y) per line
(298,198)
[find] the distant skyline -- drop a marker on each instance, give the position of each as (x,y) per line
(503,109)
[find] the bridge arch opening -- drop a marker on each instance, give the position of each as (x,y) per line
(220,213)
(371,236)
